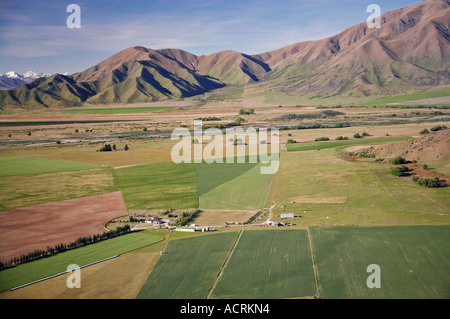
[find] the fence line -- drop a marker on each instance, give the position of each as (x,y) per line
(61,273)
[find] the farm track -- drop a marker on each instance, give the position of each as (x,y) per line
(316,273)
(208,296)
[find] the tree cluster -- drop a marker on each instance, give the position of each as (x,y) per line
(438,128)
(246,112)
(399,170)
(428,182)
(51,251)
(186,218)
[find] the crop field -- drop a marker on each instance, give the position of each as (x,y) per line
(188,267)
(141,152)
(210,176)
(28,190)
(273,264)
(331,144)
(322,188)
(349,212)
(42,268)
(24,230)
(111,279)
(119,110)
(408,97)
(237,186)
(413,261)
(161,185)
(269,264)
(25,165)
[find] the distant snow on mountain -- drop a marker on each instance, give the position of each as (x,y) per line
(27,75)
(12,79)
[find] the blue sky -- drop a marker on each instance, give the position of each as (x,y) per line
(34,35)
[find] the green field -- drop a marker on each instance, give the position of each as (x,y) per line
(119,110)
(269,264)
(279,263)
(210,176)
(42,268)
(326,189)
(28,190)
(27,165)
(330,144)
(232,186)
(409,97)
(189,267)
(158,186)
(181,186)
(414,261)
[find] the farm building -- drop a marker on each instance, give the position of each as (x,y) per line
(272,224)
(193,229)
(154,220)
(186,229)
(287,215)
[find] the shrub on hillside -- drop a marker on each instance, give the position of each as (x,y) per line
(438,128)
(398,160)
(399,170)
(428,182)
(106,148)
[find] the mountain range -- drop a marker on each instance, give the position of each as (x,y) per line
(12,79)
(410,52)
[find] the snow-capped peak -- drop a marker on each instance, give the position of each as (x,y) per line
(30,75)
(12,75)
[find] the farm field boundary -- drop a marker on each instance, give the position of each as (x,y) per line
(62,273)
(330,144)
(46,267)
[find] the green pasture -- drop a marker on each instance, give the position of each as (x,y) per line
(210,176)
(269,264)
(45,267)
(383,101)
(413,261)
(28,190)
(246,191)
(158,186)
(188,268)
(330,144)
(28,165)
(322,188)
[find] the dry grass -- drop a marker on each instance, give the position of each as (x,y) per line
(219,217)
(119,278)
(28,190)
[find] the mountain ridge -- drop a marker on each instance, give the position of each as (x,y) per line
(411,51)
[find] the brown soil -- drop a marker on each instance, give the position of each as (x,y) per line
(428,148)
(418,171)
(23,230)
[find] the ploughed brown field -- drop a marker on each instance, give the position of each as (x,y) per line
(23,230)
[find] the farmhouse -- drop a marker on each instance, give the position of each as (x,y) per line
(154,220)
(272,224)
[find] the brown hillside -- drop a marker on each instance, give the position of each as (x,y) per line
(410,52)
(428,148)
